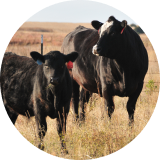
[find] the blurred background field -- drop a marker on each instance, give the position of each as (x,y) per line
(97,136)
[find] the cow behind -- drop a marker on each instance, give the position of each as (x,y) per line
(117,66)
(39,90)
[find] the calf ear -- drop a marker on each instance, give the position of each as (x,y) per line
(37,57)
(71,57)
(96,24)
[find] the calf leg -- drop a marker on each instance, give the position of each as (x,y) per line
(61,127)
(41,124)
(84,97)
(132,102)
(41,129)
(75,98)
(12,114)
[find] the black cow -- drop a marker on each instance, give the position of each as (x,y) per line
(39,90)
(112,61)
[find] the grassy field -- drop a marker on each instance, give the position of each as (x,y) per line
(98,136)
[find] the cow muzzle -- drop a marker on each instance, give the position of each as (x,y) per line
(54,81)
(95,50)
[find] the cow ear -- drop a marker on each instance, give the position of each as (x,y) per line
(96,24)
(37,57)
(71,57)
(123,25)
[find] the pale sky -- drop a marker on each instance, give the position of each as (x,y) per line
(141,12)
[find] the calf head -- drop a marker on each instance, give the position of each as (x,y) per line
(110,37)
(53,64)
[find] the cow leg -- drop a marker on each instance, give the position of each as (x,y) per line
(6,119)
(75,98)
(110,105)
(10,118)
(6,115)
(84,97)
(13,118)
(61,127)
(108,102)
(132,102)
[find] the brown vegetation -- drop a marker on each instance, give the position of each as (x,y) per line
(97,136)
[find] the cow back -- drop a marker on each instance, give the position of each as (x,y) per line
(86,67)
(17,78)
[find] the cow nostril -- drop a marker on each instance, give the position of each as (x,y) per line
(98,49)
(51,80)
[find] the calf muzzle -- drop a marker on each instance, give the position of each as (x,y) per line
(54,81)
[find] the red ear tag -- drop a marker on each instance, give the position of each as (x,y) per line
(122,30)
(70,65)
(99,30)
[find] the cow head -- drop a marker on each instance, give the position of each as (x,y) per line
(110,37)
(53,64)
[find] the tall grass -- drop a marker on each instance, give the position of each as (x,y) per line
(98,136)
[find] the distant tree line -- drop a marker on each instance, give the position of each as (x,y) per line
(136,28)
(141,30)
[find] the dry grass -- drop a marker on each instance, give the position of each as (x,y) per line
(53,26)
(97,136)
(33,38)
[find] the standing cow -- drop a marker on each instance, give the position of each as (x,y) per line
(112,61)
(39,90)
